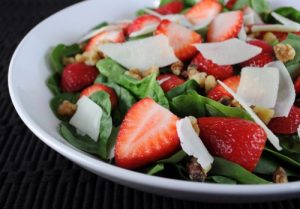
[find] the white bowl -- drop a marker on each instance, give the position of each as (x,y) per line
(29,69)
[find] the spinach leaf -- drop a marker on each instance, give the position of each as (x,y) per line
(222,167)
(148,87)
(58,100)
(267,166)
(182,89)
(176,158)
(156,169)
(100,25)
(221,180)
(261,6)
(163,2)
(102,99)
(182,106)
(59,52)
(84,143)
(289,12)
(294,65)
(283,157)
(53,83)
(290,144)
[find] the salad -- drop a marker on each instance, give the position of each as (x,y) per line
(202,91)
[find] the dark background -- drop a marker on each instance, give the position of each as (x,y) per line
(33,176)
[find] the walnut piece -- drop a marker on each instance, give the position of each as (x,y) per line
(177,68)
(194,74)
(210,83)
(66,108)
(270,38)
(89,57)
(195,170)
(265,114)
(279,176)
(284,52)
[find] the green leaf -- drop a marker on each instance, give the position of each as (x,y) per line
(148,87)
(294,65)
(140,37)
(283,157)
(100,25)
(290,144)
(222,167)
(53,83)
(240,4)
(260,6)
(176,158)
(156,169)
(267,166)
(182,89)
(222,180)
(102,99)
(289,12)
(163,2)
(84,143)
(212,111)
(59,52)
(58,99)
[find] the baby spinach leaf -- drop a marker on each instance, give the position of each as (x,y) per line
(182,89)
(290,144)
(221,180)
(289,12)
(84,143)
(222,167)
(58,100)
(148,87)
(59,52)
(261,6)
(212,111)
(176,158)
(102,99)
(156,169)
(283,157)
(294,65)
(53,83)
(100,25)
(163,2)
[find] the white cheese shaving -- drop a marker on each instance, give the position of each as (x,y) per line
(285,21)
(163,80)
(145,30)
(141,54)
(286,93)
(87,118)
(259,86)
(192,144)
(228,52)
(202,24)
(274,28)
(251,17)
(271,136)
(242,34)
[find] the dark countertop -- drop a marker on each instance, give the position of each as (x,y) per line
(32,175)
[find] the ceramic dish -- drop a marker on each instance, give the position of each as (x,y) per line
(29,69)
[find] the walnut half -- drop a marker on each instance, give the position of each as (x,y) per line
(66,108)
(284,52)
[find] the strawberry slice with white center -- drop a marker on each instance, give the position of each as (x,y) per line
(145,22)
(206,9)
(225,26)
(115,36)
(147,134)
(180,38)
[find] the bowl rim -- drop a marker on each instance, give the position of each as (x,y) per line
(120,175)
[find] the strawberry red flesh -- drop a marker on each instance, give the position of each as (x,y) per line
(141,22)
(265,57)
(230,4)
(203,10)
(100,87)
(297,85)
(76,76)
(218,92)
(207,66)
(225,26)
(147,134)
(233,139)
(115,36)
(286,125)
(169,81)
(180,38)
(173,7)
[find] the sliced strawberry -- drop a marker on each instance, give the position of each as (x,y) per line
(147,134)
(76,76)
(180,39)
(203,10)
(230,4)
(173,7)
(238,140)
(265,57)
(100,87)
(115,36)
(225,26)
(286,125)
(218,92)
(141,22)
(205,65)
(297,85)
(169,81)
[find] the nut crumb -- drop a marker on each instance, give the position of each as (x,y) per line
(270,38)
(279,176)
(284,52)
(195,170)
(68,60)
(89,57)
(66,108)
(177,68)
